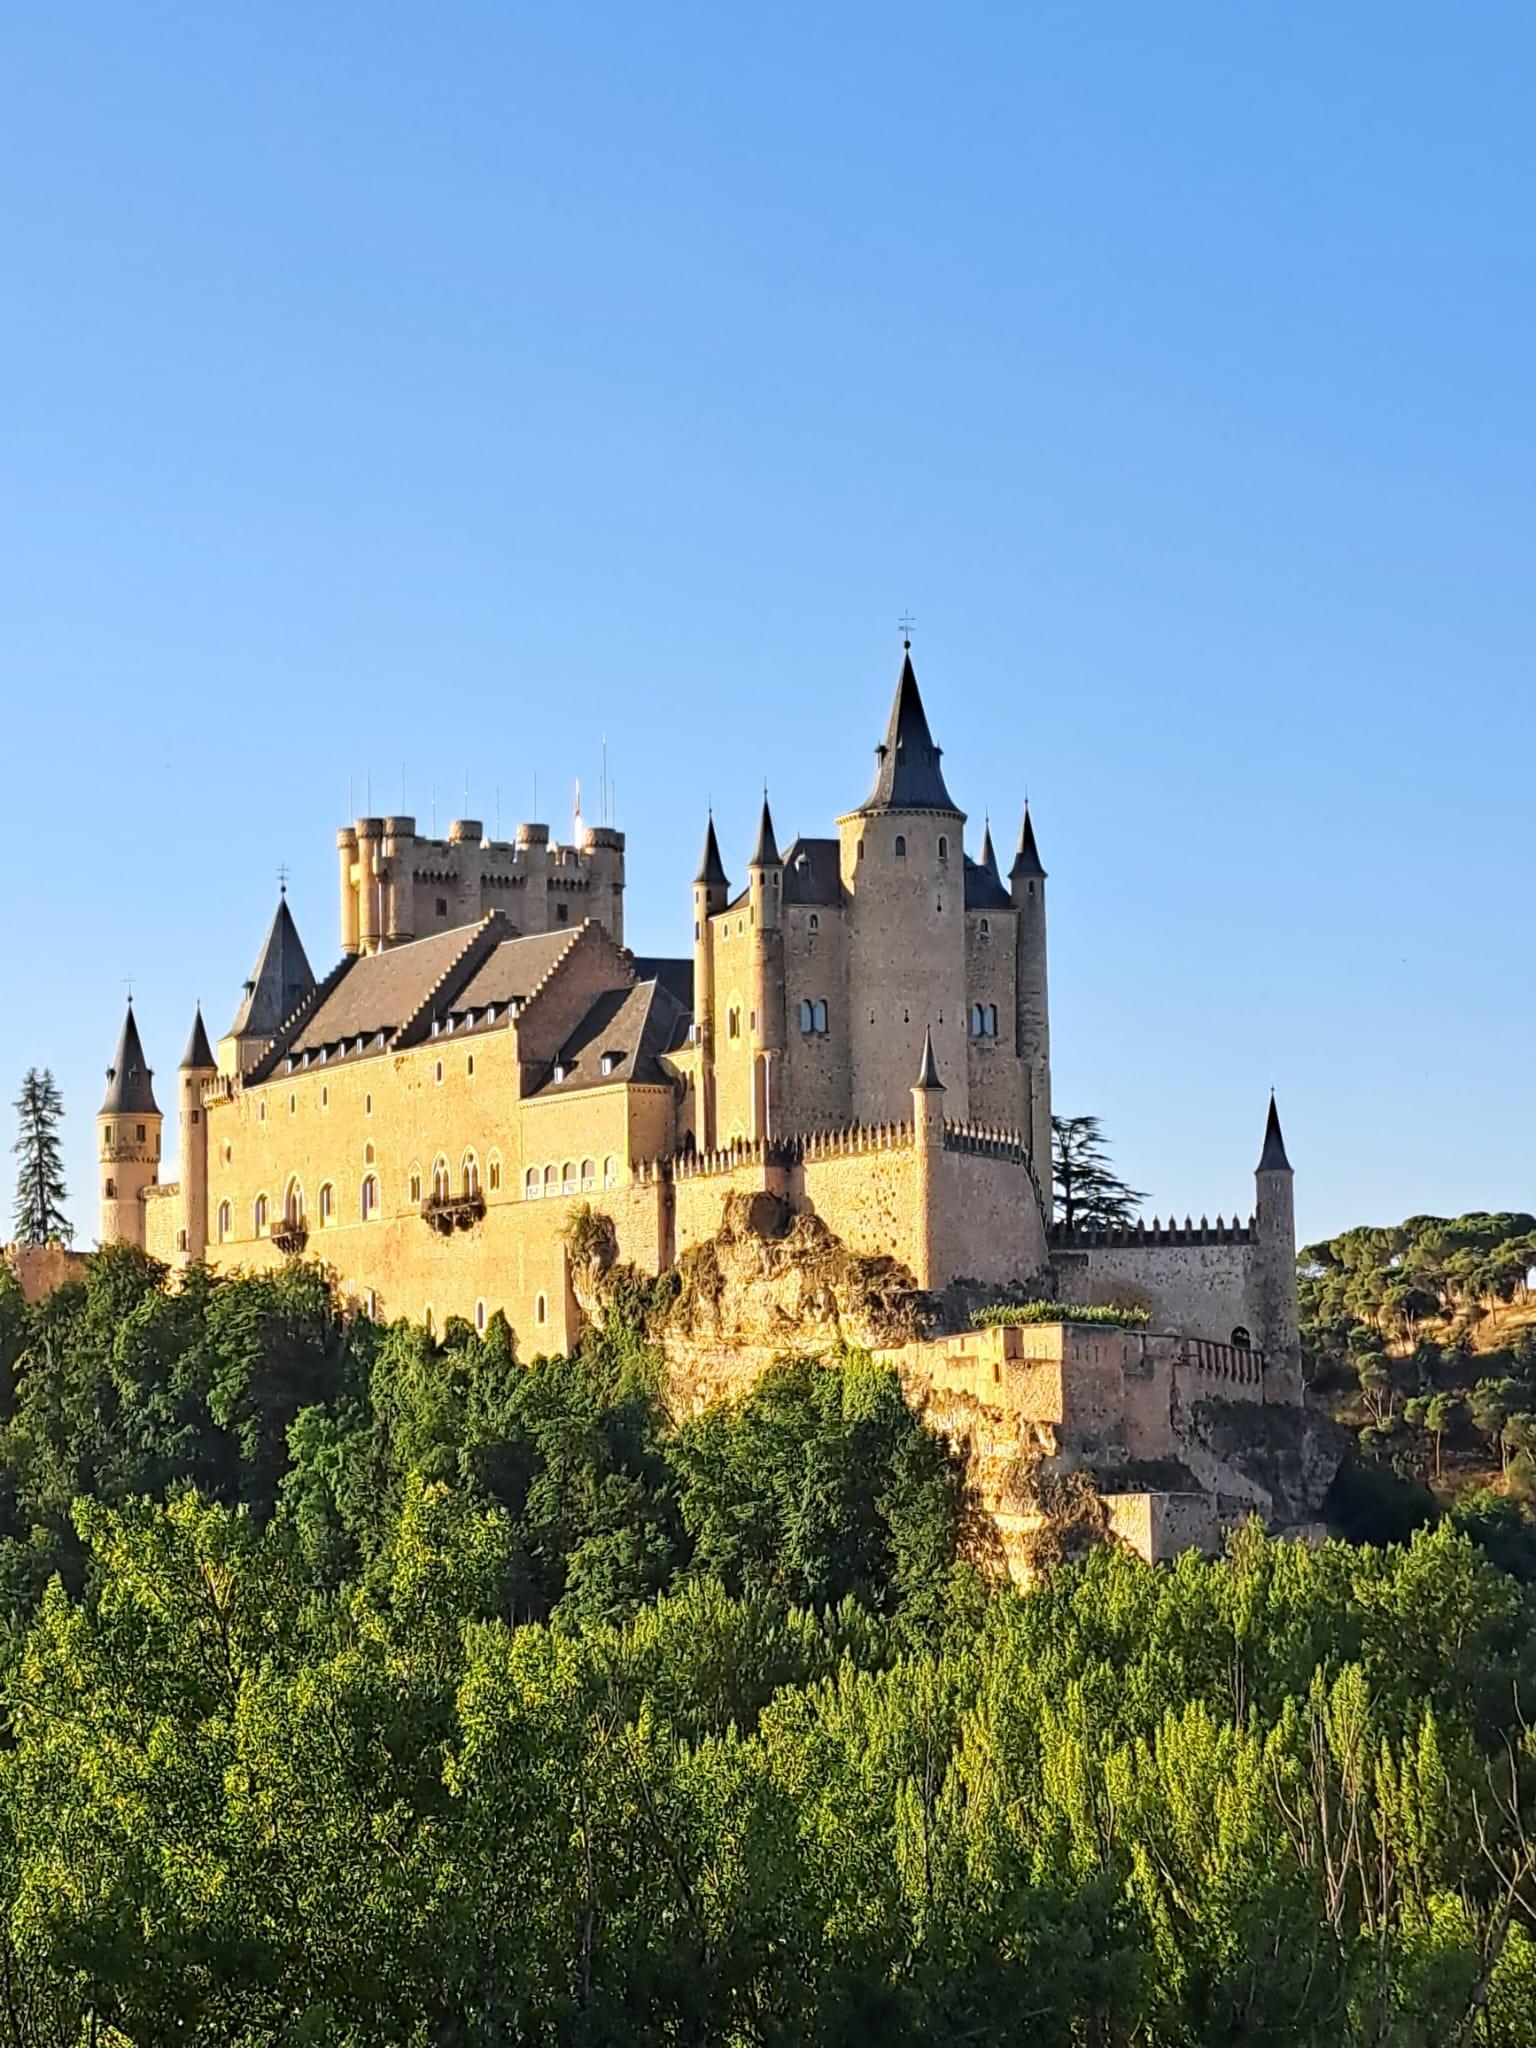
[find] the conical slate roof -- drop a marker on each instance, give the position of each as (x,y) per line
(766,852)
(908,777)
(199,1053)
(281,981)
(1026,862)
(928,1073)
(129,1089)
(983,887)
(711,873)
(1272,1159)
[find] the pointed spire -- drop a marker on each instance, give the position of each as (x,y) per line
(766,853)
(199,1054)
(280,982)
(129,1089)
(928,1073)
(988,856)
(908,777)
(1026,862)
(1272,1159)
(711,873)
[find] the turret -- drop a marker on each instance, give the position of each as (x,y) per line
(279,982)
(928,1141)
(1026,885)
(1274,1237)
(346,853)
(198,1067)
(128,1128)
(711,891)
(765,986)
(902,855)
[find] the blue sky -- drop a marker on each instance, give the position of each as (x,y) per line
(452,387)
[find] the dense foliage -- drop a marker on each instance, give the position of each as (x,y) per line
(362,1690)
(1057,1312)
(1423,1338)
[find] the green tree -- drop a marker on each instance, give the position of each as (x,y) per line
(1090,1195)
(40,1190)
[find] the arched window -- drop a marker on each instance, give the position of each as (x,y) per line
(225,1220)
(1241,1341)
(861,849)
(414,1183)
(259,1215)
(943,847)
(370,1200)
(568,1178)
(368,1155)
(493,1173)
(985,927)
(327,1204)
(588,1175)
(807,1018)
(111,1190)
(441,1187)
(540,1309)
(901,846)
(733,1021)
(293,1206)
(819,1018)
(991,1020)
(610,1172)
(814,922)
(471,1174)
(532,1187)
(551,1180)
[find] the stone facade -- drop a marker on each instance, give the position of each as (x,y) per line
(862,1034)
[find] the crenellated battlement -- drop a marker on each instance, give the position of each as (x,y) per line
(1156,1232)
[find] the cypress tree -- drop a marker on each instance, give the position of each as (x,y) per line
(40,1190)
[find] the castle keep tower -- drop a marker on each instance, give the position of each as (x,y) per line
(128,1128)
(902,862)
(198,1067)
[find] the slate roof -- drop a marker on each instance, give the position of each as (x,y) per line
(129,1080)
(675,976)
(280,982)
(813,872)
(628,1028)
(1272,1159)
(379,991)
(983,886)
(928,1073)
(199,1052)
(711,867)
(908,776)
(1026,861)
(766,853)
(516,968)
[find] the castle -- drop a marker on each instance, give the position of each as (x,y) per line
(862,1032)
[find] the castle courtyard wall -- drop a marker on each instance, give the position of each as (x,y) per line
(1204,1289)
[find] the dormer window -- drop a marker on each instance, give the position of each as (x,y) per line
(611,1062)
(559,1073)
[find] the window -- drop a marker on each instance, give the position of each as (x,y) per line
(985,928)
(368,1155)
(861,849)
(439,1070)
(1241,1341)
(141,1134)
(371,1306)
(415,1184)
(480,1317)
(901,846)
(551,1180)
(531,1186)
(261,1113)
(562,913)
(814,922)
(370,1195)
(588,1175)
(181,1240)
(442,906)
(225,1220)
(494,1173)
(440,1187)
(367,1105)
(325,1098)
(610,1172)
(943,847)
(293,1206)
(819,1016)
(568,1178)
(983,1020)
(426,1320)
(259,1215)
(991,1020)
(111,1190)
(469,1065)
(327,1204)
(733,1021)
(540,1308)
(471,1174)
(807,1018)
(293,1104)
(109,1133)
(610,1061)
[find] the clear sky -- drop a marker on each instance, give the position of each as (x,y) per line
(454,386)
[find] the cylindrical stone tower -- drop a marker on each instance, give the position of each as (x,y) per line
(128,1128)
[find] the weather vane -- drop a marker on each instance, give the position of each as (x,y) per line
(906,622)
(282,880)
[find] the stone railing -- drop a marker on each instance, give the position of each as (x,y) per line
(1232,1364)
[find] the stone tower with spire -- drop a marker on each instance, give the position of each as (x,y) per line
(280,981)
(1032,1008)
(198,1067)
(1274,1250)
(128,1130)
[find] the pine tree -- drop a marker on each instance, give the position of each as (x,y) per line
(1089,1195)
(40,1190)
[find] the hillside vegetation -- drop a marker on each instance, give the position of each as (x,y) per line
(365,1690)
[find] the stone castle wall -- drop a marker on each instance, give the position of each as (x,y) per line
(1202,1287)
